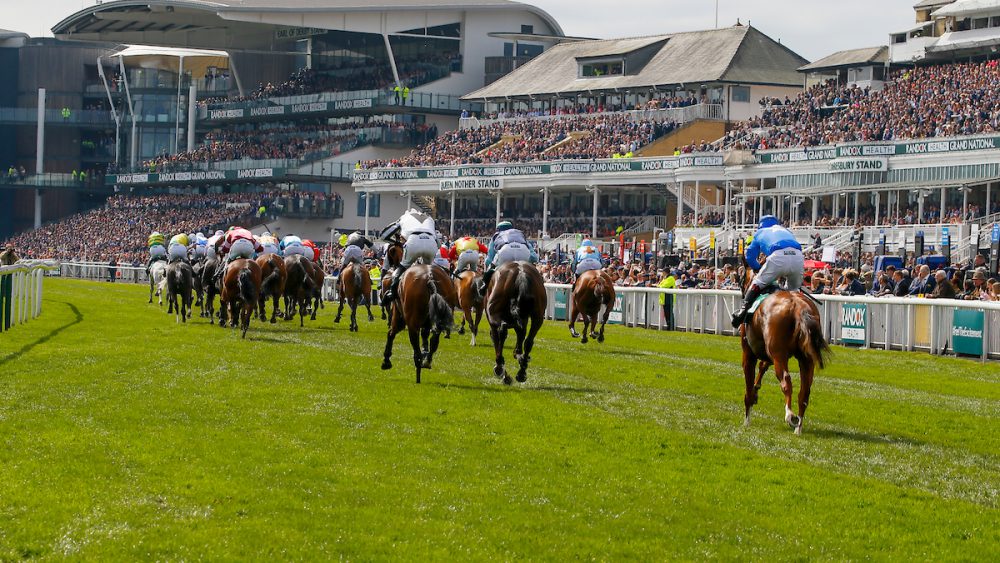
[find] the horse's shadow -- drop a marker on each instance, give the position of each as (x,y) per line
(45,338)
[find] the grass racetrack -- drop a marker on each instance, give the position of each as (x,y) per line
(126,436)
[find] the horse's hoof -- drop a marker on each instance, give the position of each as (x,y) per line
(499,372)
(746,421)
(336,320)
(426,364)
(522,376)
(386,364)
(461,330)
(798,430)
(274,320)
(793,420)
(370,318)
(507,380)
(574,333)
(584,340)
(600,338)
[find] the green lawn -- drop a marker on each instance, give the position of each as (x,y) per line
(126,436)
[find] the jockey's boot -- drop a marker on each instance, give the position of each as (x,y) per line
(391,293)
(485,282)
(219,270)
(752,294)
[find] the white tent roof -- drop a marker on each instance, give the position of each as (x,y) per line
(195,61)
(152,51)
(963,8)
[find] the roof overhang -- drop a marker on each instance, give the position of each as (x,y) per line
(232,26)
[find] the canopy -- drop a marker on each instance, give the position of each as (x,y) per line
(196,61)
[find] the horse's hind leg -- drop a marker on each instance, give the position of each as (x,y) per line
(429,356)
(368,307)
(474,326)
(274,310)
(395,325)
(604,321)
(785,378)
(340,308)
(418,355)
(529,343)
(354,315)
(499,336)
(750,396)
(806,370)
(572,321)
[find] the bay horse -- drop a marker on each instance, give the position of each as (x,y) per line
(298,287)
(179,279)
(211,286)
(240,292)
(157,275)
(355,286)
(785,325)
(424,309)
(272,268)
(515,296)
(315,298)
(393,257)
(197,266)
(594,289)
(470,301)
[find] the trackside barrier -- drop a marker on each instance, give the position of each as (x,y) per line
(936,326)
(21,292)
(101,271)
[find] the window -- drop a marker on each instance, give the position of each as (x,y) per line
(373,206)
(523,50)
(611,68)
(740,94)
(527,29)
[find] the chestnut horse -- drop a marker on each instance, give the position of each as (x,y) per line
(594,289)
(470,301)
(515,296)
(786,325)
(272,268)
(240,292)
(355,285)
(393,256)
(424,309)
(298,287)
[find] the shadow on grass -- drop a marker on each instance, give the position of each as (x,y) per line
(45,338)
(856,436)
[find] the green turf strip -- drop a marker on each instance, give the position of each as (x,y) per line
(127,436)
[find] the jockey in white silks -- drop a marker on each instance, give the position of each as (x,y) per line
(420,243)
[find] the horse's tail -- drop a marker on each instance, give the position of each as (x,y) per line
(809,335)
(441,317)
(603,291)
(357,277)
(248,293)
(522,300)
(272,279)
(307,280)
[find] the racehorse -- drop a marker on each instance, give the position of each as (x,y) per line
(272,268)
(240,292)
(393,256)
(157,274)
(594,289)
(179,279)
(298,287)
(316,297)
(211,288)
(424,310)
(785,325)
(197,267)
(515,296)
(355,285)
(470,301)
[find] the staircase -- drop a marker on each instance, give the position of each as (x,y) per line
(505,139)
(572,137)
(697,130)
(425,203)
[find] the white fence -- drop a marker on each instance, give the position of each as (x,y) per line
(21,292)
(99,271)
(890,323)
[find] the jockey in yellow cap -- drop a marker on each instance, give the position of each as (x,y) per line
(177,249)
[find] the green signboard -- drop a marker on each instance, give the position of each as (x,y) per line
(197,176)
(931,146)
(289,109)
(853,323)
(967,332)
(618,311)
(559,312)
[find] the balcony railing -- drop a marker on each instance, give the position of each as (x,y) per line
(679,115)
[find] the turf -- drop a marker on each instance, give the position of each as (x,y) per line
(127,436)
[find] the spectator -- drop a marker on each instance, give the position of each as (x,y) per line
(943,288)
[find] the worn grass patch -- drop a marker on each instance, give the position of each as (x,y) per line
(126,436)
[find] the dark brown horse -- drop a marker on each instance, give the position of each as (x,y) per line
(393,256)
(179,280)
(424,309)
(272,268)
(469,300)
(240,292)
(594,289)
(212,287)
(299,287)
(316,296)
(515,296)
(786,325)
(355,286)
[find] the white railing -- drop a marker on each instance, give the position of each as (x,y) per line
(102,271)
(679,115)
(21,292)
(890,323)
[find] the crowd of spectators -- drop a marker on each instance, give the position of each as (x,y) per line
(594,136)
(665,102)
(915,103)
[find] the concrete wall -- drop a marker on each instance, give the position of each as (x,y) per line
(739,111)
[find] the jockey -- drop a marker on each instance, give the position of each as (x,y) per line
(239,244)
(157,251)
(507,245)
(270,243)
(178,248)
(587,258)
(213,243)
(291,245)
(310,251)
(421,244)
(784,259)
(354,249)
(390,234)
(199,246)
(441,258)
(466,252)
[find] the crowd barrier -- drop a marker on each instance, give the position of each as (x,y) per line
(936,326)
(21,292)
